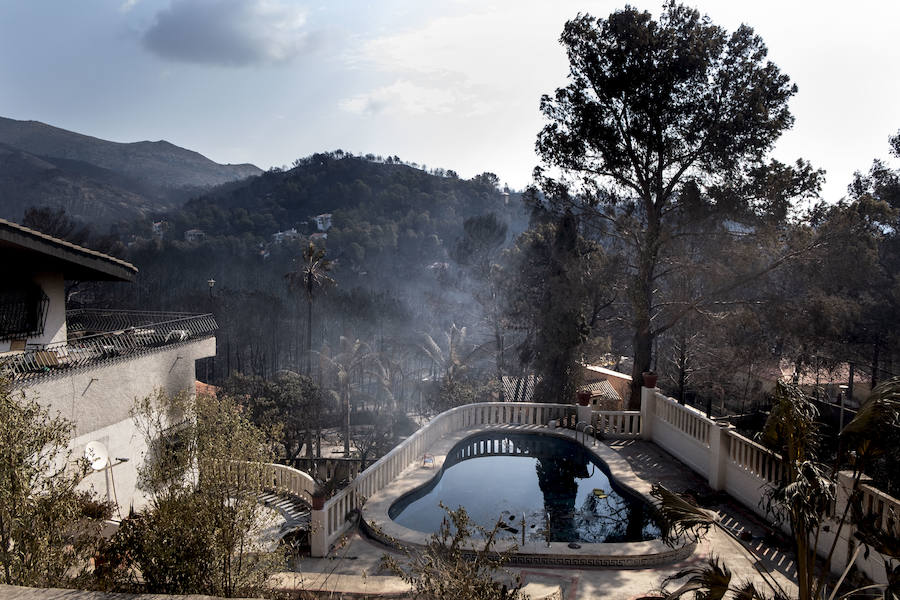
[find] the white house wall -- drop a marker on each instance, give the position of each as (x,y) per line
(98,401)
(118,483)
(102,396)
(54,286)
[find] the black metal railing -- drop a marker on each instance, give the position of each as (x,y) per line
(98,336)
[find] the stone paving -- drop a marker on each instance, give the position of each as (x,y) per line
(650,462)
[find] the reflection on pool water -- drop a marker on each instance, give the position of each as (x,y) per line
(508,477)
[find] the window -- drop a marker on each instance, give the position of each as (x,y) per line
(23,309)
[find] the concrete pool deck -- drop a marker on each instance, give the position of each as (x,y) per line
(355,566)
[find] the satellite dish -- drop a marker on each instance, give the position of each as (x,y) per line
(96,454)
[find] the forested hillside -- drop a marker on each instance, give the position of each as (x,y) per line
(391,249)
(96,180)
(354,189)
(94,194)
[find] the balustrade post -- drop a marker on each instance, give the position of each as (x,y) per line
(648,411)
(584,414)
(842,494)
(318,533)
(719,452)
(844,490)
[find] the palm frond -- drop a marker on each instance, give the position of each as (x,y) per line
(431,348)
(748,591)
(881,413)
(681,519)
(806,499)
(708,582)
(791,427)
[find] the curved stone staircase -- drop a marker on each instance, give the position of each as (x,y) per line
(294,511)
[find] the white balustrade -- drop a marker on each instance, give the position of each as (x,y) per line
(744,469)
(269,476)
(684,418)
(618,423)
(885,508)
(282,478)
(755,458)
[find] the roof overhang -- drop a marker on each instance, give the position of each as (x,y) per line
(25,249)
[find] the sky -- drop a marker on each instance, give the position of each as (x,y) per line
(453,83)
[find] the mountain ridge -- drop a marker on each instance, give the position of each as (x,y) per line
(100,180)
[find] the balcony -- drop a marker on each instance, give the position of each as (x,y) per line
(101,336)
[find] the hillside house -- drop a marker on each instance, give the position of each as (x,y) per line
(608,387)
(159,228)
(288,235)
(90,365)
(194,235)
(323,222)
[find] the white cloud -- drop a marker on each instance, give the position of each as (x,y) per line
(229,32)
(405,97)
(472,64)
(127,5)
(486,43)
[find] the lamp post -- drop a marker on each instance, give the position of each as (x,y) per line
(211,283)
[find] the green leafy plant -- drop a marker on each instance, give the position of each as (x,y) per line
(49,530)
(201,532)
(456,564)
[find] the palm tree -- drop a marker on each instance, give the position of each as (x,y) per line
(311,274)
(346,367)
(479,249)
(803,497)
(388,373)
(451,362)
(449,382)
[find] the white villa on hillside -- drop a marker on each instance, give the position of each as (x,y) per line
(288,235)
(194,235)
(323,221)
(90,365)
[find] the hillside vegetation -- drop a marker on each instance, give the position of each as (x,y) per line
(394,234)
(98,180)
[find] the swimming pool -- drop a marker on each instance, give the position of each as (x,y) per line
(522,479)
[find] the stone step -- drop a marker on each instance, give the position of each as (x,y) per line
(294,511)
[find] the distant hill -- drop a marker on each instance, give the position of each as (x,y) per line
(99,180)
(392,224)
(357,190)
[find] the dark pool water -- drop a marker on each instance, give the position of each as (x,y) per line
(503,477)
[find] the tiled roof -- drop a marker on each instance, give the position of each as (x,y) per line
(519,389)
(602,388)
(83,262)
